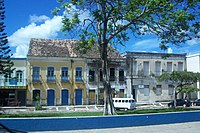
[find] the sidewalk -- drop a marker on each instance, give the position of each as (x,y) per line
(190,127)
(51,109)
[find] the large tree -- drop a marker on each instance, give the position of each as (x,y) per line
(182,81)
(113,21)
(5,62)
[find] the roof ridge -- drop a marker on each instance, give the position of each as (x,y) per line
(59,39)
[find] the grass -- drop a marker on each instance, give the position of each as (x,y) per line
(146,111)
(78,114)
(70,114)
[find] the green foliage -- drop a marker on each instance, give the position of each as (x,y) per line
(163,46)
(187,89)
(172,21)
(68,24)
(147,111)
(38,105)
(182,80)
(55,11)
(5,62)
(164,77)
(180,77)
(58,114)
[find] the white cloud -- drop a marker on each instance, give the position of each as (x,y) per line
(169,50)
(21,51)
(21,38)
(35,19)
(39,27)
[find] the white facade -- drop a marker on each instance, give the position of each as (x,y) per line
(193,65)
(13,87)
(94,85)
(19,75)
(143,70)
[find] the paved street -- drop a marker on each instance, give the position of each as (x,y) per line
(190,127)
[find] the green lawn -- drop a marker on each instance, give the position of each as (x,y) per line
(78,114)
(146,111)
(70,114)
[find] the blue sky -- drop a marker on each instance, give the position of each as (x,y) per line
(27,19)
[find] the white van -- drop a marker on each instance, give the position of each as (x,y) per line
(124,103)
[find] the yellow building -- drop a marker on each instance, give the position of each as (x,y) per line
(56,73)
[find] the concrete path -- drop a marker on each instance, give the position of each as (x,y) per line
(189,127)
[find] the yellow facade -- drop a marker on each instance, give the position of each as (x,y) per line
(57,86)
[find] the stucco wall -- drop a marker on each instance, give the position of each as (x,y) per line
(43,86)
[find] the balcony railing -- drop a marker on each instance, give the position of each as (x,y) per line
(142,73)
(78,79)
(51,78)
(121,78)
(158,73)
(112,78)
(64,79)
(12,82)
(36,78)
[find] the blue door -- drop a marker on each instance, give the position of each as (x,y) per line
(50,97)
(65,96)
(78,97)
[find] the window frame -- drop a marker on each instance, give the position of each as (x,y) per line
(78,74)
(91,75)
(36,70)
(50,74)
(112,74)
(122,75)
(64,73)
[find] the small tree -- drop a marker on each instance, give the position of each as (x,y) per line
(181,80)
(112,21)
(5,62)
(37,104)
(187,90)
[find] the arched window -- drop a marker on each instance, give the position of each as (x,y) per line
(19,76)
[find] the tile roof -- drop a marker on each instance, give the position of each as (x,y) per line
(64,48)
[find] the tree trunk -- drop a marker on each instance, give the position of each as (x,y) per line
(176,94)
(108,103)
(186,95)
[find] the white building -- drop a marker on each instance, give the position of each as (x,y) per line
(193,65)
(13,88)
(142,72)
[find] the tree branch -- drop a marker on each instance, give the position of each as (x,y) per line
(130,23)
